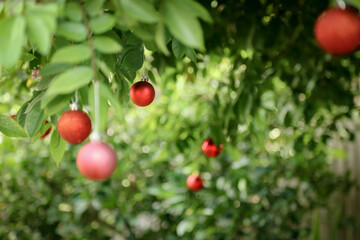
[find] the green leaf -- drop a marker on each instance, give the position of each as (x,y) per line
(103,23)
(196,9)
(57,147)
(185,226)
(133,58)
(38,33)
(44,83)
(73,31)
(94,7)
(34,119)
(12,37)
(58,104)
(73,11)
(11,128)
(34,101)
(71,54)
(186,28)
(106,45)
(21,116)
(190,53)
(178,49)
(69,81)
(141,10)
(54,68)
(315,231)
(108,94)
(160,39)
(27,57)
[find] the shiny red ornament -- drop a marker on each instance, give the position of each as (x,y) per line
(74,126)
(142,93)
(96,161)
(337,31)
(194,182)
(210,149)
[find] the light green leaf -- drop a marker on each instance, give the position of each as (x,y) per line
(185,226)
(196,9)
(11,128)
(185,27)
(178,49)
(73,11)
(106,45)
(34,119)
(71,54)
(38,33)
(12,37)
(73,31)
(68,82)
(57,147)
(141,10)
(103,23)
(160,38)
(94,7)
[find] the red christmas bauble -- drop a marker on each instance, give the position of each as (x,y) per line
(142,93)
(96,161)
(12,116)
(47,132)
(337,31)
(74,126)
(194,182)
(210,149)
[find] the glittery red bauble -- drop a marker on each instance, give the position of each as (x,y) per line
(210,149)
(337,31)
(142,93)
(74,126)
(96,161)
(194,182)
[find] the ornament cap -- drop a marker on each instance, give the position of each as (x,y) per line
(95,137)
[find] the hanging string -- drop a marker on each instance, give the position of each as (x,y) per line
(341,4)
(96,133)
(75,105)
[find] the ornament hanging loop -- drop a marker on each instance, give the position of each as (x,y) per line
(341,4)
(75,104)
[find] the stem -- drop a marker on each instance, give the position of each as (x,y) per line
(95,80)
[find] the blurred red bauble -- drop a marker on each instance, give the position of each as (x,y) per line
(194,182)
(96,161)
(210,149)
(12,116)
(142,93)
(74,126)
(47,131)
(337,31)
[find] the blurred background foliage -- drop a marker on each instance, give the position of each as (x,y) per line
(263,88)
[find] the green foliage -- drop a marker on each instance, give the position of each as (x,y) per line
(263,88)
